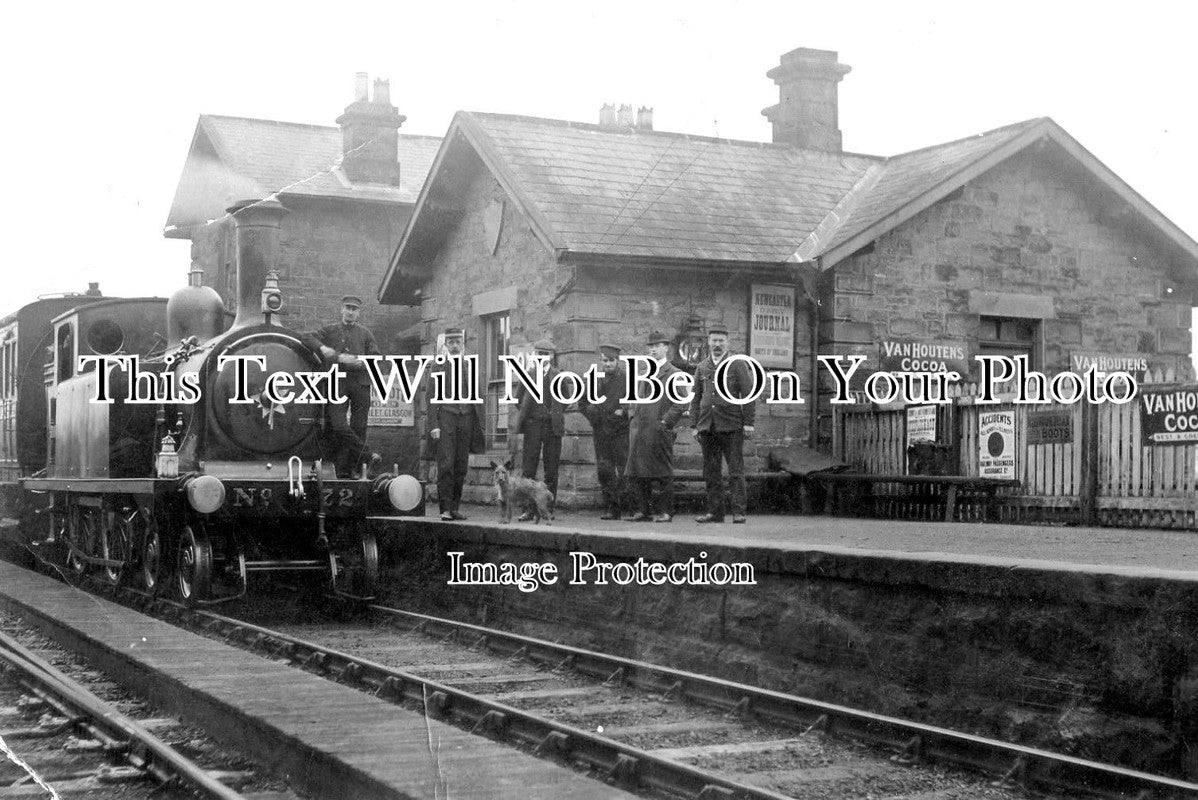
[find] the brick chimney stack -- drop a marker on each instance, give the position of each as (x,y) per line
(644,118)
(370,134)
(807,114)
(607,115)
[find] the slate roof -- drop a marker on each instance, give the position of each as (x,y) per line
(235,158)
(668,195)
(906,177)
(594,192)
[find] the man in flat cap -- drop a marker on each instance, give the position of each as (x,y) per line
(455,431)
(543,424)
(341,344)
(651,442)
(609,426)
(722,426)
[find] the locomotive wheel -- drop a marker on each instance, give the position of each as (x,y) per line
(358,561)
(193,568)
(151,559)
(117,545)
(82,535)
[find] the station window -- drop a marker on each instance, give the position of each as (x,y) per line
(1010,336)
(497,333)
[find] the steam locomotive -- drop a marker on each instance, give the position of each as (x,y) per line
(153,489)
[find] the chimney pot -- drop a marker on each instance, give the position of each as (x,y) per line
(624,116)
(370,135)
(93,289)
(361,88)
(607,115)
(807,114)
(382,92)
(644,118)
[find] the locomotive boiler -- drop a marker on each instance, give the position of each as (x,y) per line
(178,480)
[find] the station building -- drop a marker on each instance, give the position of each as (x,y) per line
(349,191)
(1013,241)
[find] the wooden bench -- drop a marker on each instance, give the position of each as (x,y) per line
(844,490)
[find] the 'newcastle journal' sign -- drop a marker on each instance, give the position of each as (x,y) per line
(1169,416)
(772,325)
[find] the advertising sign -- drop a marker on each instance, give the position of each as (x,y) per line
(1169,416)
(905,356)
(1134,363)
(393,413)
(771,325)
(996,444)
(921,424)
(1049,427)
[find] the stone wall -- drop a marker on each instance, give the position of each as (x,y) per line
(1026,227)
(1035,225)
(1099,666)
(579,307)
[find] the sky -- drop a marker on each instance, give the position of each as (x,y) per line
(102,98)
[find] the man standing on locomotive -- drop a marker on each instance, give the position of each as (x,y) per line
(456,431)
(342,343)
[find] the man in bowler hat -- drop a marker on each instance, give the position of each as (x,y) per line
(722,427)
(543,424)
(651,442)
(341,344)
(609,426)
(455,431)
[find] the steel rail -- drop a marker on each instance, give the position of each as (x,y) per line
(119,733)
(1016,764)
(618,763)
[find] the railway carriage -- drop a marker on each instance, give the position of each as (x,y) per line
(166,485)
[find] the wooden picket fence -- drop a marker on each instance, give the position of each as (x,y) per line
(1106,475)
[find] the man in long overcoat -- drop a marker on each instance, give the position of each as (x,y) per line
(609,427)
(651,442)
(455,431)
(543,425)
(721,426)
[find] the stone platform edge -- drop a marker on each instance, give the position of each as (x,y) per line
(1040,580)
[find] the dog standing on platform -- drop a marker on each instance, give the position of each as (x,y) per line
(524,493)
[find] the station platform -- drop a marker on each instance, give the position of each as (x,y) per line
(1069,638)
(367,748)
(1147,553)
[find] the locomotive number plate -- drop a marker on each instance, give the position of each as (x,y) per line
(262,497)
(339,497)
(252,497)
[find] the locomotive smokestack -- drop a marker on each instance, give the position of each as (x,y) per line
(257,254)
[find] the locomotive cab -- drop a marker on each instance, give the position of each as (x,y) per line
(87,439)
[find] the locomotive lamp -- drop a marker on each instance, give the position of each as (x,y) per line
(168,459)
(272,298)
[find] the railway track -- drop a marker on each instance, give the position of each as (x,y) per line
(60,737)
(653,730)
(662,731)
